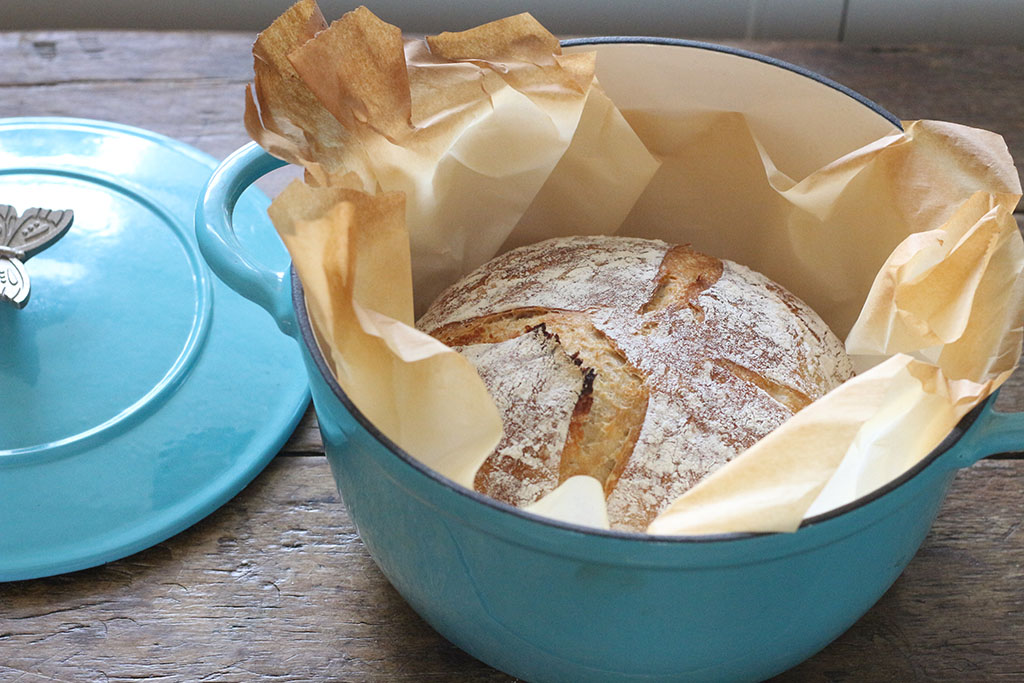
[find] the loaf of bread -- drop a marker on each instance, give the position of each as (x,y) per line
(642,364)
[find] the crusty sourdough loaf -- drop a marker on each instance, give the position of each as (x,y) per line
(640,363)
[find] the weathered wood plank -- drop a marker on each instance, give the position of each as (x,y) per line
(277,586)
(973,85)
(54,57)
(305,439)
(204,113)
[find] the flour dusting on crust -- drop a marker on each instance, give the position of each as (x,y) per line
(726,355)
(536,405)
(573,274)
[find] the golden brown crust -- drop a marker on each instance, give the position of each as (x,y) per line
(537,407)
(693,359)
(607,418)
(682,276)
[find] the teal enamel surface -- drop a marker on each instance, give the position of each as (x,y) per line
(103,258)
(547,601)
(140,393)
(220,243)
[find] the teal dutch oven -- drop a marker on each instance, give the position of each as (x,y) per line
(550,601)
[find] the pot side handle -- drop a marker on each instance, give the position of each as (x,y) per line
(993,432)
(220,246)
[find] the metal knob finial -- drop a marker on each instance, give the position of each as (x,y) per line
(21,238)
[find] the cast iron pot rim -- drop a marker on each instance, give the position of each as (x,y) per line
(309,339)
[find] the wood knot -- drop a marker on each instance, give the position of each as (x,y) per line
(47,49)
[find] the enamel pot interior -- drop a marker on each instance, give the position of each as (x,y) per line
(550,601)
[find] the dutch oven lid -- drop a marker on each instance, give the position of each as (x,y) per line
(137,392)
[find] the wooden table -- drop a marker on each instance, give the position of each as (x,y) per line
(277,586)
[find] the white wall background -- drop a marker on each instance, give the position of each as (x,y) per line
(862,21)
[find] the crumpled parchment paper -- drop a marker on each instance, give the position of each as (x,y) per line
(426,158)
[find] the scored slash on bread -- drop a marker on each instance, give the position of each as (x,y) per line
(606,420)
(537,407)
(693,359)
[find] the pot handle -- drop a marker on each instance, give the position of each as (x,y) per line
(215,232)
(993,432)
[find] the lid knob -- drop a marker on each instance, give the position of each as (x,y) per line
(21,239)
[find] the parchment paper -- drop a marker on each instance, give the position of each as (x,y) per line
(489,112)
(345,242)
(494,138)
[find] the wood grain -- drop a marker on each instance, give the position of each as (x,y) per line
(140,78)
(277,586)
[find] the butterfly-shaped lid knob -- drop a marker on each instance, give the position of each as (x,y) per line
(138,392)
(20,239)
